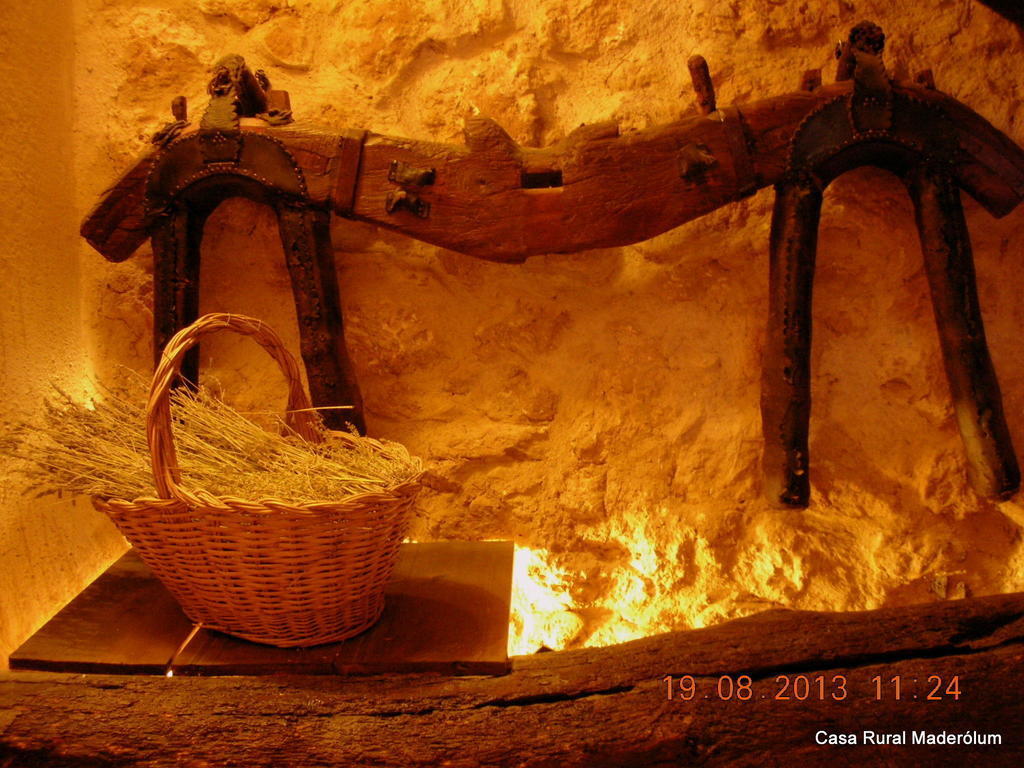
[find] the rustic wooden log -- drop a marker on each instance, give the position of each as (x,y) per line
(786,363)
(596,708)
(949,264)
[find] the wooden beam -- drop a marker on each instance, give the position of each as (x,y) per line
(611,190)
(598,707)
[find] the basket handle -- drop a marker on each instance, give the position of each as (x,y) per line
(299,415)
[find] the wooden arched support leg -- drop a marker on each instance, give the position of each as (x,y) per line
(785,383)
(305,235)
(785,377)
(177,236)
(991,460)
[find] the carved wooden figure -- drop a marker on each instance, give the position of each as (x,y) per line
(496,200)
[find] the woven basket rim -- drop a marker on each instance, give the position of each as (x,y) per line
(273,505)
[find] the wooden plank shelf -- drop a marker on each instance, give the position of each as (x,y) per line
(446,611)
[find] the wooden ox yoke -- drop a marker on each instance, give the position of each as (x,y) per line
(496,200)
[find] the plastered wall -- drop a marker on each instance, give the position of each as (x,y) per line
(600,408)
(49,548)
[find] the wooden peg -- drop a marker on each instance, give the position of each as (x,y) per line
(811,80)
(926,79)
(278,101)
(701,78)
(179,108)
(608,129)
(844,62)
(483,134)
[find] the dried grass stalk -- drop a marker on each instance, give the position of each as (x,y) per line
(99,448)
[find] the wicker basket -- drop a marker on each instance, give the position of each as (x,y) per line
(270,570)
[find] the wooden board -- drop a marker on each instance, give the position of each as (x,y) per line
(593,708)
(125,622)
(446,610)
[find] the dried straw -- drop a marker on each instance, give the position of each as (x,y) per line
(99,448)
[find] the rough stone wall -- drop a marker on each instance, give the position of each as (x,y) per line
(602,408)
